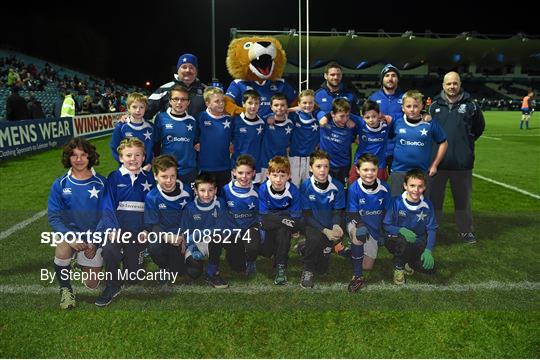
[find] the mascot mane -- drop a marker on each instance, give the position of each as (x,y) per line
(256,58)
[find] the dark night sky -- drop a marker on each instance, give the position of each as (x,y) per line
(137,41)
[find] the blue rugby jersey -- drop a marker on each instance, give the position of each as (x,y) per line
(276,140)
(247,139)
(143,132)
(287,203)
(215,136)
(419,217)
(370,205)
(177,136)
(76,205)
(164,210)
(242,204)
(306,135)
(322,203)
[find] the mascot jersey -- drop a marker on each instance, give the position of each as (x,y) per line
(266,90)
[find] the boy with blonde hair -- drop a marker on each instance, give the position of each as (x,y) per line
(135,126)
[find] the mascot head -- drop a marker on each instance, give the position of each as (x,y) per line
(256,58)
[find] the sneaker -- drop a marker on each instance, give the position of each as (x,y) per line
(356,284)
(281,277)
(306,279)
(107,295)
(467,237)
(67,298)
(216,281)
(408,270)
(399,277)
(251,268)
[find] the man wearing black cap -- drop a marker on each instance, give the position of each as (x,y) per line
(389,100)
(186,76)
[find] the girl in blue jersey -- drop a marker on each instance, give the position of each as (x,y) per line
(74,205)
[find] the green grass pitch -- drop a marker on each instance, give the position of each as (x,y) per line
(484,301)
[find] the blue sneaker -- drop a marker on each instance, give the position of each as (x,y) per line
(107,295)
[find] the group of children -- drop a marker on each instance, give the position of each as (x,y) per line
(289,177)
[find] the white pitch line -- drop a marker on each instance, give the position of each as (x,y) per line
(261,289)
(507,186)
(513,135)
(22,224)
(489,137)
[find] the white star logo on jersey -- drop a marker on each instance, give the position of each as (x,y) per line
(93,192)
(147,135)
(421,216)
(381,200)
(423,132)
(251,206)
(330,197)
(315,127)
(288,130)
(259,130)
(183,203)
(190,127)
(214,214)
(146,185)
(227,124)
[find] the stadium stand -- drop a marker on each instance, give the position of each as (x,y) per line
(46,82)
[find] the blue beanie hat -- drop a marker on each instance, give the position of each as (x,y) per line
(388,68)
(187,58)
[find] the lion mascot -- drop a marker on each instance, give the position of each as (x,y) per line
(256,63)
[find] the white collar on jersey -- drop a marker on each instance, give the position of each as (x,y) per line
(247,194)
(137,126)
(287,121)
(421,205)
(379,187)
(215,117)
(378,128)
(248,122)
(214,203)
(305,121)
(91,169)
(178,118)
(125,171)
(414,125)
(183,193)
(331,185)
(285,194)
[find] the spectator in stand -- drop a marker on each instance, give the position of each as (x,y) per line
(16,108)
(463,122)
(187,71)
(68,106)
(87,105)
(35,111)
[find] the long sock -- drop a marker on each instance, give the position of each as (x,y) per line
(62,268)
(357,256)
(211,269)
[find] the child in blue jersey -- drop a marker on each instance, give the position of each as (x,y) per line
(123,217)
(242,202)
(277,136)
(336,139)
(135,126)
(367,200)
(176,133)
(323,202)
(411,226)
(74,205)
(215,137)
(204,223)
(248,131)
(305,138)
(414,142)
(372,139)
(281,212)
(163,209)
